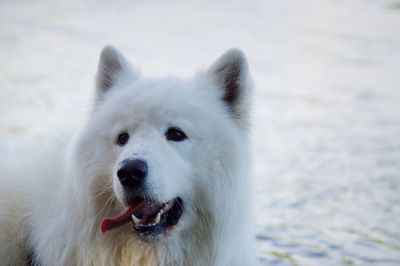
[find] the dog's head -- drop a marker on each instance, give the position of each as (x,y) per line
(158,147)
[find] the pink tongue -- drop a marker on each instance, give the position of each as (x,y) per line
(120,219)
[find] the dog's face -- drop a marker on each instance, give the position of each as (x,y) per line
(154,144)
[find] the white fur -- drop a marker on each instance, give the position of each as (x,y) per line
(52,208)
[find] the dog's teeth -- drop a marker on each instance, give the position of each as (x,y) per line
(167,206)
(162,211)
(135,219)
(158,218)
(145,225)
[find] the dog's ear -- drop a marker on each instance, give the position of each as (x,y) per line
(113,69)
(231,74)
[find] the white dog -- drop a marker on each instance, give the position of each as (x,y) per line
(159,175)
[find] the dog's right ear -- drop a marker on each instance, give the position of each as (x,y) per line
(113,70)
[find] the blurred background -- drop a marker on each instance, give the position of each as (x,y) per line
(326,127)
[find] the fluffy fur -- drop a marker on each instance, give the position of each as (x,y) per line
(51,209)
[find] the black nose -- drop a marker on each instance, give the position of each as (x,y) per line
(133,173)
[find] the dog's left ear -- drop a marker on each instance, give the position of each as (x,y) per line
(231,74)
(113,70)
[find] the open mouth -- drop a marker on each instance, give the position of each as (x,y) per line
(149,218)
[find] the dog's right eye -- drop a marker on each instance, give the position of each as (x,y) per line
(122,139)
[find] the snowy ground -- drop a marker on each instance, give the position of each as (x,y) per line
(327,103)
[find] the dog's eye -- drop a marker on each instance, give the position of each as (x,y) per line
(175,134)
(122,139)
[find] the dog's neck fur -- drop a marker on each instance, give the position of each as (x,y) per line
(199,246)
(119,247)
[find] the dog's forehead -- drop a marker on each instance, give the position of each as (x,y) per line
(157,100)
(162,97)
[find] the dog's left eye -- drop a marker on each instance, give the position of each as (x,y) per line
(175,134)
